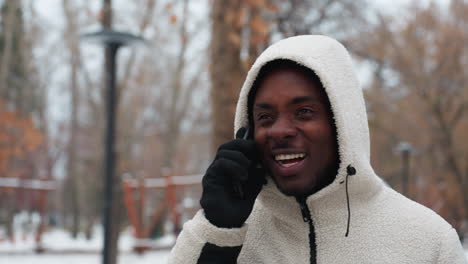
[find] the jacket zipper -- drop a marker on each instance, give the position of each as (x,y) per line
(307,219)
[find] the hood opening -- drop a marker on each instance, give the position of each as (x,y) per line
(285,64)
(269,68)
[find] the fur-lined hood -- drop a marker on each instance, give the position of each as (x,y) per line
(332,64)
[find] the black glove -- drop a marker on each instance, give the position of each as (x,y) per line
(232,182)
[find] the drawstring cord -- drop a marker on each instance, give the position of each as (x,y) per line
(350,172)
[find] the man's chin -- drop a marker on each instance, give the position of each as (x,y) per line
(295,191)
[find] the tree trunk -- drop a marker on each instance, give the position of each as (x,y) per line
(8,32)
(172,131)
(72,150)
(225,68)
(74,94)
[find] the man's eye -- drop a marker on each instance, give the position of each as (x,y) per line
(305,112)
(263,117)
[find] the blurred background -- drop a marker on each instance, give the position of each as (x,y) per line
(176,95)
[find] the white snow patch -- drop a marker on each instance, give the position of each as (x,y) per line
(62,248)
(58,240)
(150,257)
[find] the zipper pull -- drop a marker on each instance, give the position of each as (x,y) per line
(304,209)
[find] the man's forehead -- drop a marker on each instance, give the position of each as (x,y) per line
(289,84)
(265,103)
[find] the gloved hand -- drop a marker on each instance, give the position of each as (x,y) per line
(232,182)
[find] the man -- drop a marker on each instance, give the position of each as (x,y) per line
(296,186)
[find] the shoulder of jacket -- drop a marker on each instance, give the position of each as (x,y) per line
(414,212)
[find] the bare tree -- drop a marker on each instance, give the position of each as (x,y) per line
(333,17)
(71,184)
(419,65)
(242,29)
(21,93)
(19,84)
(225,66)
(10,10)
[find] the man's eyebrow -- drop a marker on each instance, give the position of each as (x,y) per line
(295,100)
(263,106)
(302,99)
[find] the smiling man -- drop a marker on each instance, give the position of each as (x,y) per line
(296,185)
(294,129)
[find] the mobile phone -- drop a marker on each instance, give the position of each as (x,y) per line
(237,184)
(247,133)
(248,136)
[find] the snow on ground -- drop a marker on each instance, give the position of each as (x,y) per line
(153,257)
(62,248)
(58,241)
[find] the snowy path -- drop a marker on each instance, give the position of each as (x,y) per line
(154,257)
(57,241)
(22,252)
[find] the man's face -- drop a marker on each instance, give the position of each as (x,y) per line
(294,132)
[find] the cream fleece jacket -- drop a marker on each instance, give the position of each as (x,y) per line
(385,227)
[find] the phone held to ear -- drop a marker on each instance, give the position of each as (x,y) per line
(237,183)
(247,136)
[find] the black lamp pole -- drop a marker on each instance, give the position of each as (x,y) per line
(109,167)
(405,148)
(112,41)
(405,159)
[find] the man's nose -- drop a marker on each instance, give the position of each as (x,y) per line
(282,128)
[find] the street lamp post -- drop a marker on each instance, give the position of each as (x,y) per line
(405,149)
(112,40)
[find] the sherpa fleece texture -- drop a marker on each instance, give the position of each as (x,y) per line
(385,226)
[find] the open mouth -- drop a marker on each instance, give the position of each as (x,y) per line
(289,160)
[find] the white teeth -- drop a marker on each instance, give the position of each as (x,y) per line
(288,164)
(281,157)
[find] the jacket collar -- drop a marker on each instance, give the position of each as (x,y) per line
(328,205)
